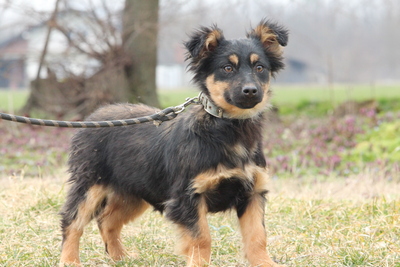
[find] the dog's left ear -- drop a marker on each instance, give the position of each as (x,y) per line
(272,37)
(203,42)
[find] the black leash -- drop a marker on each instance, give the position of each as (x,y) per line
(159,117)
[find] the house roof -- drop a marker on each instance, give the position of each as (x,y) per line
(11,40)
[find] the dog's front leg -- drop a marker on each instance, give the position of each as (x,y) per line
(195,239)
(253,233)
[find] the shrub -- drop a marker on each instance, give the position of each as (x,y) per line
(382,143)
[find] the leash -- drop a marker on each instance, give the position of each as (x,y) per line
(159,117)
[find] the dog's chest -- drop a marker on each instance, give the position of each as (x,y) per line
(224,188)
(227,194)
(226,185)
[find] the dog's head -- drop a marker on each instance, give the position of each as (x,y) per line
(236,74)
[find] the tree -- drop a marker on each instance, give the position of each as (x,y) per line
(140,24)
(121,61)
(34,97)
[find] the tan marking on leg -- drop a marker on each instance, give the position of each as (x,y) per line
(118,211)
(94,196)
(253,233)
(70,248)
(261,178)
(197,246)
(217,90)
(254,58)
(234,59)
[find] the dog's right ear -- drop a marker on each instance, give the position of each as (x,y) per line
(203,42)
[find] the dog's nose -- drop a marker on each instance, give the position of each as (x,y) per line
(250,91)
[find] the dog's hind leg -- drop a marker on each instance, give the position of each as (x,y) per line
(118,211)
(81,206)
(195,240)
(253,233)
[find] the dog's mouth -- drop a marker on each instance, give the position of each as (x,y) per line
(243,102)
(247,105)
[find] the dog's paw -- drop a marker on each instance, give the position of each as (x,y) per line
(69,264)
(270,264)
(277,265)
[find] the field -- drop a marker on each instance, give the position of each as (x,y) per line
(353,222)
(336,94)
(282,95)
(289,96)
(334,195)
(12,100)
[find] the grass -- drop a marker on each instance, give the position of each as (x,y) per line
(312,99)
(330,222)
(31,151)
(314,219)
(175,97)
(12,100)
(286,96)
(297,95)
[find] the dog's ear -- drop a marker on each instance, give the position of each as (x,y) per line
(202,42)
(272,37)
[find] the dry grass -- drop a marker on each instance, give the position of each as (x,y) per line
(335,222)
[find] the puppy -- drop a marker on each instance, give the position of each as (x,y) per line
(207,160)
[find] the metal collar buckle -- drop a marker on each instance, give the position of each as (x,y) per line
(210,107)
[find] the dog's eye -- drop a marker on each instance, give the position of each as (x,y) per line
(228,68)
(259,68)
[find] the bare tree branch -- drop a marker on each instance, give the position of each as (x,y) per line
(51,25)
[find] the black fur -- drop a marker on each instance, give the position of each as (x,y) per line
(159,164)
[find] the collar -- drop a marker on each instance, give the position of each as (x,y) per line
(211,108)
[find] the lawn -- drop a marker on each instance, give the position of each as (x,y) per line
(12,100)
(293,94)
(330,222)
(334,195)
(283,95)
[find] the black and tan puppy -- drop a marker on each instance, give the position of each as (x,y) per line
(208,159)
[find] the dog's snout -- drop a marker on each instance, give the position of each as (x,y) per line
(250,91)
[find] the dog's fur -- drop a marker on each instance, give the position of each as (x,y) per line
(187,167)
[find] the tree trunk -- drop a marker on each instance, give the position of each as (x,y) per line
(140,28)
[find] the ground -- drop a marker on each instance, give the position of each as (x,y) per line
(334,197)
(334,222)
